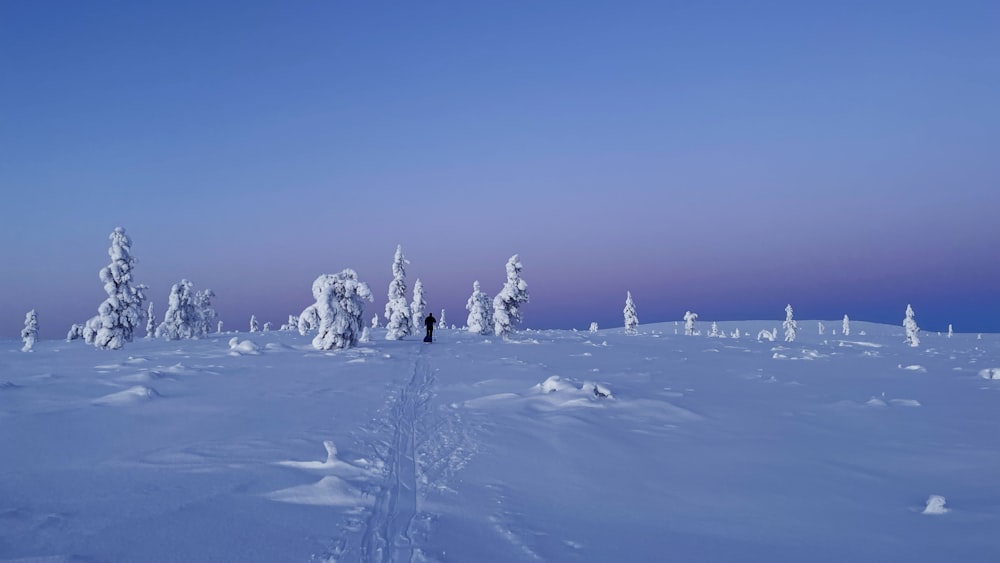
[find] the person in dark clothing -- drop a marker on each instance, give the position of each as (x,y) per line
(429,322)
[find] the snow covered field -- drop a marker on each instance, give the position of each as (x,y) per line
(561,446)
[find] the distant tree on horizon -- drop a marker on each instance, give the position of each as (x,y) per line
(845,329)
(417,306)
(950,331)
(397,314)
(441,323)
(912,330)
(292,324)
(713,331)
(254,325)
(822,328)
(29,334)
(340,305)
(689,319)
(789,325)
(119,315)
(631,318)
(150,321)
(507,304)
(480,320)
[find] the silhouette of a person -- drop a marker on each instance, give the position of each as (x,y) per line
(429,322)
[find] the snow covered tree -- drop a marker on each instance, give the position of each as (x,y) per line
(397,315)
(950,331)
(631,318)
(29,334)
(689,319)
(821,327)
(340,306)
(180,318)
(308,318)
(912,330)
(417,306)
(480,309)
(846,328)
(375,321)
(593,327)
(150,321)
(205,315)
(789,325)
(441,323)
(292,324)
(218,329)
(507,303)
(267,326)
(119,315)
(254,326)
(75,332)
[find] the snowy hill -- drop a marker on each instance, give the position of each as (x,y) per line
(560,446)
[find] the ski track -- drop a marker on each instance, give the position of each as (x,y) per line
(387,535)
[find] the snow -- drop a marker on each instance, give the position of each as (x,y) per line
(572,446)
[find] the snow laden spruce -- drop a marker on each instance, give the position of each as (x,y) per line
(912,330)
(789,325)
(188,315)
(120,314)
(480,320)
(29,334)
(397,314)
(507,304)
(631,318)
(337,313)
(689,319)
(417,306)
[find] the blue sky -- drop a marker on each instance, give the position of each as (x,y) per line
(722,157)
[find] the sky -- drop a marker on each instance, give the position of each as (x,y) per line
(727,158)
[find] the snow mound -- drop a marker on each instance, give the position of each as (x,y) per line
(875,402)
(913,367)
(990,373)
(328,491)
(130,396)
(8,385)
(905,402)
(242,348)
(556,383)
(935,505)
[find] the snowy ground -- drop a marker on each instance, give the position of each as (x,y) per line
(469,449)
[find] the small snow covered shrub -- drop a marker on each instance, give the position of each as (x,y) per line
(397,313)
(117,316)
(507,304)
(912,330)
(29,334)
(766,335)
(789,325)
(631,318)
(480,320)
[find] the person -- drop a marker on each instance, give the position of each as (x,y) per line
(429,322)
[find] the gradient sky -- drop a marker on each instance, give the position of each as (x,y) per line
(722,157)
